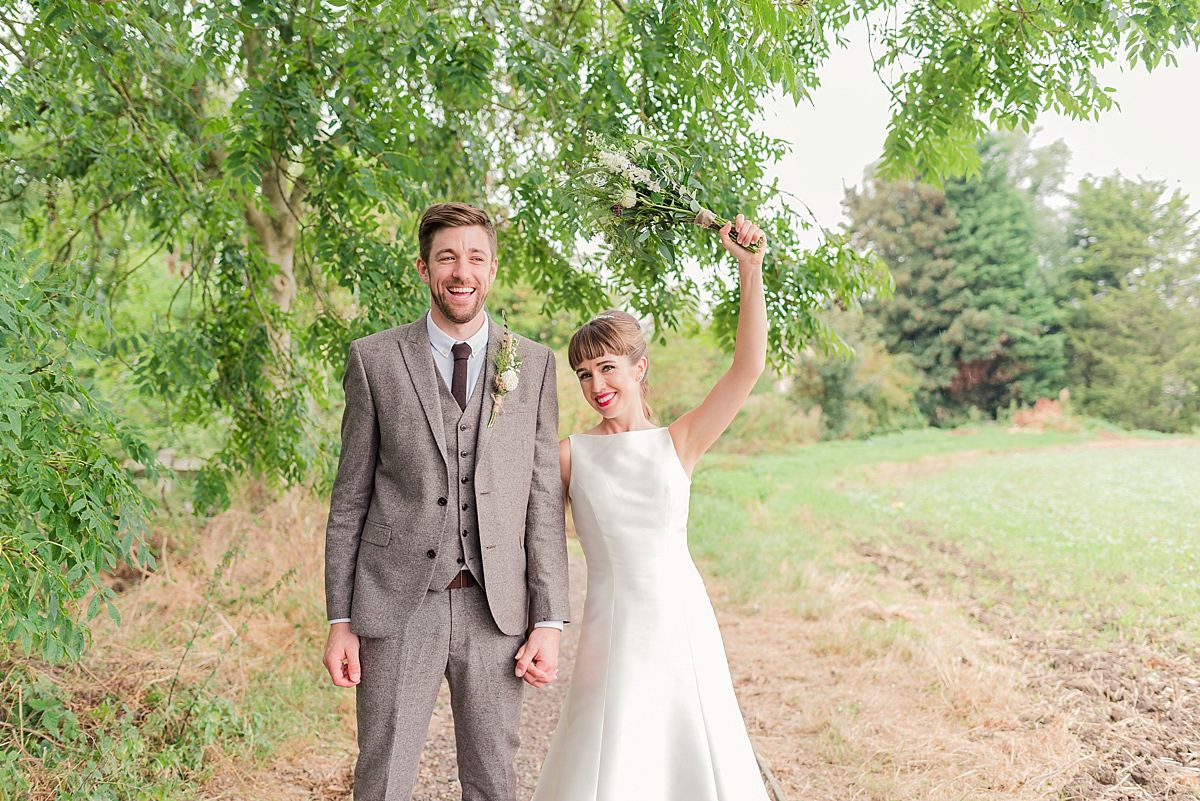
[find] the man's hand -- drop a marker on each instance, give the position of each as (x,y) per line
(341,655)
(537,659)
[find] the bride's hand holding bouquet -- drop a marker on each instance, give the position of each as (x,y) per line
(746,241)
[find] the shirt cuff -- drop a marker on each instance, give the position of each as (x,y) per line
(549,624)
(339,620)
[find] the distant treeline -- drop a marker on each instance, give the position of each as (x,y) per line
(1009,289)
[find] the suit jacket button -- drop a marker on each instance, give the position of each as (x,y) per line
(432,554)
(442,501)
(462,428)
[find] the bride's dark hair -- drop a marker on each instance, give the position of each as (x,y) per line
(614,332)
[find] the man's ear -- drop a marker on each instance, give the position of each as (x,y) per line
(495,268)
(423,271)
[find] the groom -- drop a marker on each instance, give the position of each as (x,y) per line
(444,551)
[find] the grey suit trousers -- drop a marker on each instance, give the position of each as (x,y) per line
(452,634)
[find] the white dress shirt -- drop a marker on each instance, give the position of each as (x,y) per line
(441,343)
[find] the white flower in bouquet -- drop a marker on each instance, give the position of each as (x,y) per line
(629,198)
(507,382)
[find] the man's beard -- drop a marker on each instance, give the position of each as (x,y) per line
(459,316)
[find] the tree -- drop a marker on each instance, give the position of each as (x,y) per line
(1131,296)
(68,508)
(970,306)
(869,393)
(281,150)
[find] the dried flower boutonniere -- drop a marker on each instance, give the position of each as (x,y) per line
(508,371)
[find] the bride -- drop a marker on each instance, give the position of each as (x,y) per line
(650,712)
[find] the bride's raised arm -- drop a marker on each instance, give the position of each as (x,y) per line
(696,431)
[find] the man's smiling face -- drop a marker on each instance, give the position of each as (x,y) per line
(459,274)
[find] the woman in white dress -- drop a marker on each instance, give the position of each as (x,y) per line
(650,713)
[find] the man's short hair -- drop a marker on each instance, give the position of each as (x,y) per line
(452,215)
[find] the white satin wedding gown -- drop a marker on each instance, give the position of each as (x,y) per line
(650,713)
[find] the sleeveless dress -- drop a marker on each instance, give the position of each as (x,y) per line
(650,712)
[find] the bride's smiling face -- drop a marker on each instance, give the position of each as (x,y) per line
(611,383)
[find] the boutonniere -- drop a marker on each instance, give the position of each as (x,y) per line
(508,371)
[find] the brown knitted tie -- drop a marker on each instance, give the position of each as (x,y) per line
(458,386)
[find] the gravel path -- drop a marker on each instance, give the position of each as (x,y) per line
(437,779)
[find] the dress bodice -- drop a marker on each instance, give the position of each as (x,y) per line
(629,498)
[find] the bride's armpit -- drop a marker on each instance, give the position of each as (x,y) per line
(564,465)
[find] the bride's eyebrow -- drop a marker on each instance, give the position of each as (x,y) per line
(598,364)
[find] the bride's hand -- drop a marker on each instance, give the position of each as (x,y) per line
(735,236)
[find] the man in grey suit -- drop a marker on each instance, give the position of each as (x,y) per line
(444,552)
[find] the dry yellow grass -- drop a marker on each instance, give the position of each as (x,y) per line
(892,700)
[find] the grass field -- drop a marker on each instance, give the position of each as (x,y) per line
(1096,527)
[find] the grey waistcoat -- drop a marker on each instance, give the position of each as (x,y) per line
(460,543)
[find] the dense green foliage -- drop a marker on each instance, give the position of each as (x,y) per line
(280,154)
(68,507)
(1131,304)
(871,392)
(971,306)
(121,748)
(965,67)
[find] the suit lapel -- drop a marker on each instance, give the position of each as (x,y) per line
(495,337)
(418,358)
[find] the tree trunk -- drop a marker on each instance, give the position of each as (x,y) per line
(276,232)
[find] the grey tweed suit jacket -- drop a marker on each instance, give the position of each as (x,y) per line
(385,518)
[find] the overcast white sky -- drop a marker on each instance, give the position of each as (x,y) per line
(1153,135)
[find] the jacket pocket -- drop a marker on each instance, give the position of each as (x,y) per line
(376,534)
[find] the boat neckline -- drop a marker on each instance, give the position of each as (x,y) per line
(616,433)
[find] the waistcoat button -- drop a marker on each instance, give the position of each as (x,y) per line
(432,554)
(442,501)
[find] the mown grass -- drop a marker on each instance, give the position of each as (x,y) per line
(1103,534)
(1111,535)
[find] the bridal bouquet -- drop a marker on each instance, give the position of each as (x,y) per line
(631,192)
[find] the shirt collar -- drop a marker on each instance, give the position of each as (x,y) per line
(443,342)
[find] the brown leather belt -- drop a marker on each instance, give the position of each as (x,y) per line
(463,579)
